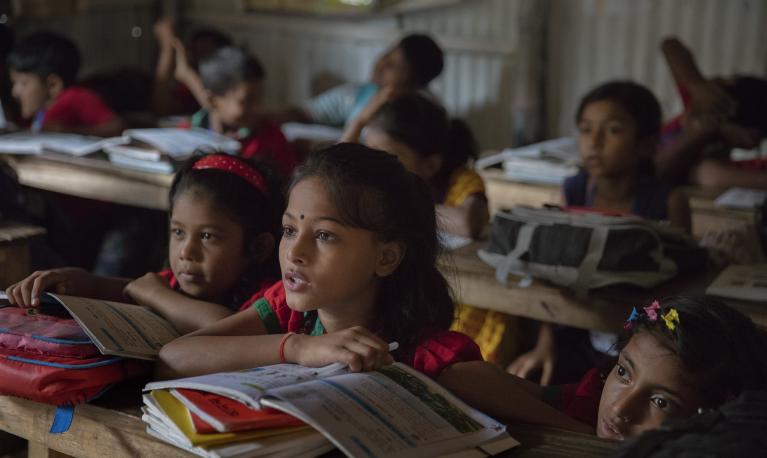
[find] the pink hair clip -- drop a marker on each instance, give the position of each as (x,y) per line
(652,310)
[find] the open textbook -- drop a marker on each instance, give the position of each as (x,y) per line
(128,330)
(745,282)
(37,142)
(392,412)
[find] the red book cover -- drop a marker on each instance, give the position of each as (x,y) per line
(212,413)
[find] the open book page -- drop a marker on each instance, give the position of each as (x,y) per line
(181,143)
(36,142)
(120,329)
(394,411)
(741,198)
(250,385)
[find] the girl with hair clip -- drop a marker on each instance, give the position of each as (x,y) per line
(358,257)
(224,224)
(679,355)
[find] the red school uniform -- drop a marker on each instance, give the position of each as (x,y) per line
(432,355)
(76,107)
(258,290)
(579,401)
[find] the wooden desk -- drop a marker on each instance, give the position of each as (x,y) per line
(92,178)
(99,432)
(505,193)
(474,283)
(14,251)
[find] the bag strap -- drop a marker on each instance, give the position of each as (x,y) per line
(590,262)
(511,262)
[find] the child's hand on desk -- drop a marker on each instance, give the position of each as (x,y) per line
(542,356)
(144,288)
(68,280)
(357,347)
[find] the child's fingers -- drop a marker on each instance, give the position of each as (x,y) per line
(548,370)
(366,337)
(40,284)
(369,356)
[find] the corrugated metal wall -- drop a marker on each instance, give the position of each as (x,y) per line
(481,38)
(592,41)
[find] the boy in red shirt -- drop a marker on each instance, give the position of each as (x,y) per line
(233,83)
(43,68)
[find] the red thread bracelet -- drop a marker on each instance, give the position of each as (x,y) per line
(282,346)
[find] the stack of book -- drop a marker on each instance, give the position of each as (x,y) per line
(548,162)
(289,411)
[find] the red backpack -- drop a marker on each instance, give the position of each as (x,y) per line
(48,358)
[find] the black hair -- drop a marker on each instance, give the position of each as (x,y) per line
(636,99)
(639,102)
(750,94)
(373,191)
(6,41)
(424,57)
(44,54)
(423,126)
(256,212)
(228,67)
(721,347)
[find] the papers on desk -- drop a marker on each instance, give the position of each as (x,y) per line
(741,198)
(36,143)
(548,162)
(298,131)
(180,144)
(745,282)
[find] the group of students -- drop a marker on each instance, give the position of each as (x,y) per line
(329,259)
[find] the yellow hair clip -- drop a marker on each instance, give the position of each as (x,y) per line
(671,318)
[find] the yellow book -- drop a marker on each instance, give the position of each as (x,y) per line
(179,415)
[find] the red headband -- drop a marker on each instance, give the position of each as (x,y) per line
(230,164)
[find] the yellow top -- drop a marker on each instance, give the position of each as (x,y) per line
(463,184)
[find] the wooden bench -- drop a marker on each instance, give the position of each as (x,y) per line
(115,431)
(474,283)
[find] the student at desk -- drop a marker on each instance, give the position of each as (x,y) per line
(679,355)
(224,224)
(618,130)
(720,114)
(43,68)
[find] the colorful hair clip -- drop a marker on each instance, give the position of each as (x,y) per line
(671,318)
(652,310)
(633,317)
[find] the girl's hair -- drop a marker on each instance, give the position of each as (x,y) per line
(423,126)
(252,209)
(636,99)
(750,94)
(372,191)
(721,347)
(424,57)
(227,68)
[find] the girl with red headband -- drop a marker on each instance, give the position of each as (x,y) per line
(223,230)
(679,356)
(358,257)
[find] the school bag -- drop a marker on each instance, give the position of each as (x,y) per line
(584,250)
(737,429)
(48,358)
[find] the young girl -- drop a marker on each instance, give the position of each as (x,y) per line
(224,220)
(358,257)
(618,130)
(418,131)
(681,354)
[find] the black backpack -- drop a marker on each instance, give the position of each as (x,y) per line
(737,429)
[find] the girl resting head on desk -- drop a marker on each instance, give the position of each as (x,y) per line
(678,355)
(224,223)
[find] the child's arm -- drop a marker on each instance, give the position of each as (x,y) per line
(468,219)
(504,396)
(674,162)
(185,313)
(354,128)
(542,356)
(163,77)
(707,96)
(717,174)
(188,76)
(240,341)
(72,281)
